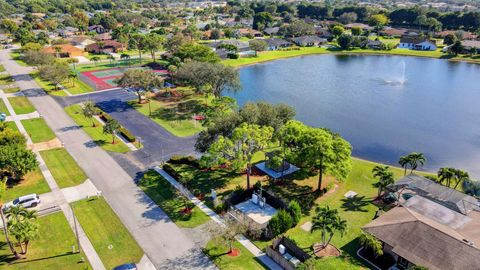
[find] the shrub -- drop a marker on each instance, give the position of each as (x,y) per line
(295,212)
(127,134)
(186,160)
(280,223)
(171,171)
(233,55)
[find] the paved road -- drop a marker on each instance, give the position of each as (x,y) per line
(159,143)
(163,242)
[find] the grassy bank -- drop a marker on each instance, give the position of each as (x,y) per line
(63,167)
(108,235)
(52,249)
(96,133)
(164,195)
(274,55)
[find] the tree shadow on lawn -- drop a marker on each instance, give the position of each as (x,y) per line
(204,181)
(355,204)
(179,111)
(349,252)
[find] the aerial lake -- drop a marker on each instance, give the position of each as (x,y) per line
(386,106)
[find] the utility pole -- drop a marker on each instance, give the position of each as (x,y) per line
(76,230)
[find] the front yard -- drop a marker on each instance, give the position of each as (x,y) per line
(21,105)
(32,182)
(63,167)
(3,108)
(108,235)
(52,249)
(74,86)
(218,254)
(38,130)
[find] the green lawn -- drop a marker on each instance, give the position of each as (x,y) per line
(33,182)
(175,116)
(217,252)
(63,167)
(160,191)
(38,130)
(21,105)
(52,249)
(107,65)
(273,55)
(109,237)
(74,87)
(3,108)
(11,125)
(96,133)
(2,68)
(6,79)
(11,90)
(17,56)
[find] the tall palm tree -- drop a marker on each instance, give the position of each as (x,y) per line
(445,175)
(22,226)
(415,160)
(404,161)
(3,188)
(369,241)
(328,221)
(111,59)
(89,110)
(460,177)
(385,177)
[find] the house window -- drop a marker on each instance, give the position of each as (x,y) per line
(402,263)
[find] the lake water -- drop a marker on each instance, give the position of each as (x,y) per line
(386,106)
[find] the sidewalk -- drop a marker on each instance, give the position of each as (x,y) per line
(242,239)
(85,243)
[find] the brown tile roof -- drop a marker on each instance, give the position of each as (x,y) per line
(65,48)
(424,241)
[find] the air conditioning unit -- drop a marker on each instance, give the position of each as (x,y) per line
(281,249)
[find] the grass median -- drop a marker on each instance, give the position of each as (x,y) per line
(164,195)
(51,250)
(63,167)
(96,133)
(38,130)
(109,237)
(21,105)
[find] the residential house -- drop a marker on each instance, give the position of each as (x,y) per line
(243,48)
(81,41)
(99,29)
(67,32)
(465,34)
(104,36)
(471,46)
(106,47)
(374,44)
(247,32)
(393,32)
(309,41)
(271,31)
(434,226)
(277,43)
(64,51)
(417,43)
(5,39)
(359,25)
(322,32)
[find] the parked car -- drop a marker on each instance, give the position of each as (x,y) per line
(127,266)
(26,201)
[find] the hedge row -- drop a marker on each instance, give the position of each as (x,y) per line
(186,160)
(123,131)
(173,173)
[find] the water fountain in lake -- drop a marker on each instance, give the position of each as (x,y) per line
(398,78)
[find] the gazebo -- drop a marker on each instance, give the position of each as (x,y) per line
(275,165)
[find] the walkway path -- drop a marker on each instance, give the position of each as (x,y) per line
(163,242)
(209,212)
(58,197)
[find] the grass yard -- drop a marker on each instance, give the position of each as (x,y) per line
(6,79)
(109,237)
(2,68)
(32,182)
(52,250)
(11,125)
(217,252)
(11,90)
(3,108)
(74,87)
(21,105)
(38,130)
(176,116)
(17,57)
(164,195)
(63,167)
(107,65)
(96,133)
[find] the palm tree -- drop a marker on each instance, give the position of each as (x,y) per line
(369,242)
(95,59)
(89,110)
(58,50)
(3,188)
(415,160)
(125,56)
(328,221)
(22,226)
(460,177)
(111,127)
(73,76)
(385,177)
(445,175)
(404,161)
(111,59)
